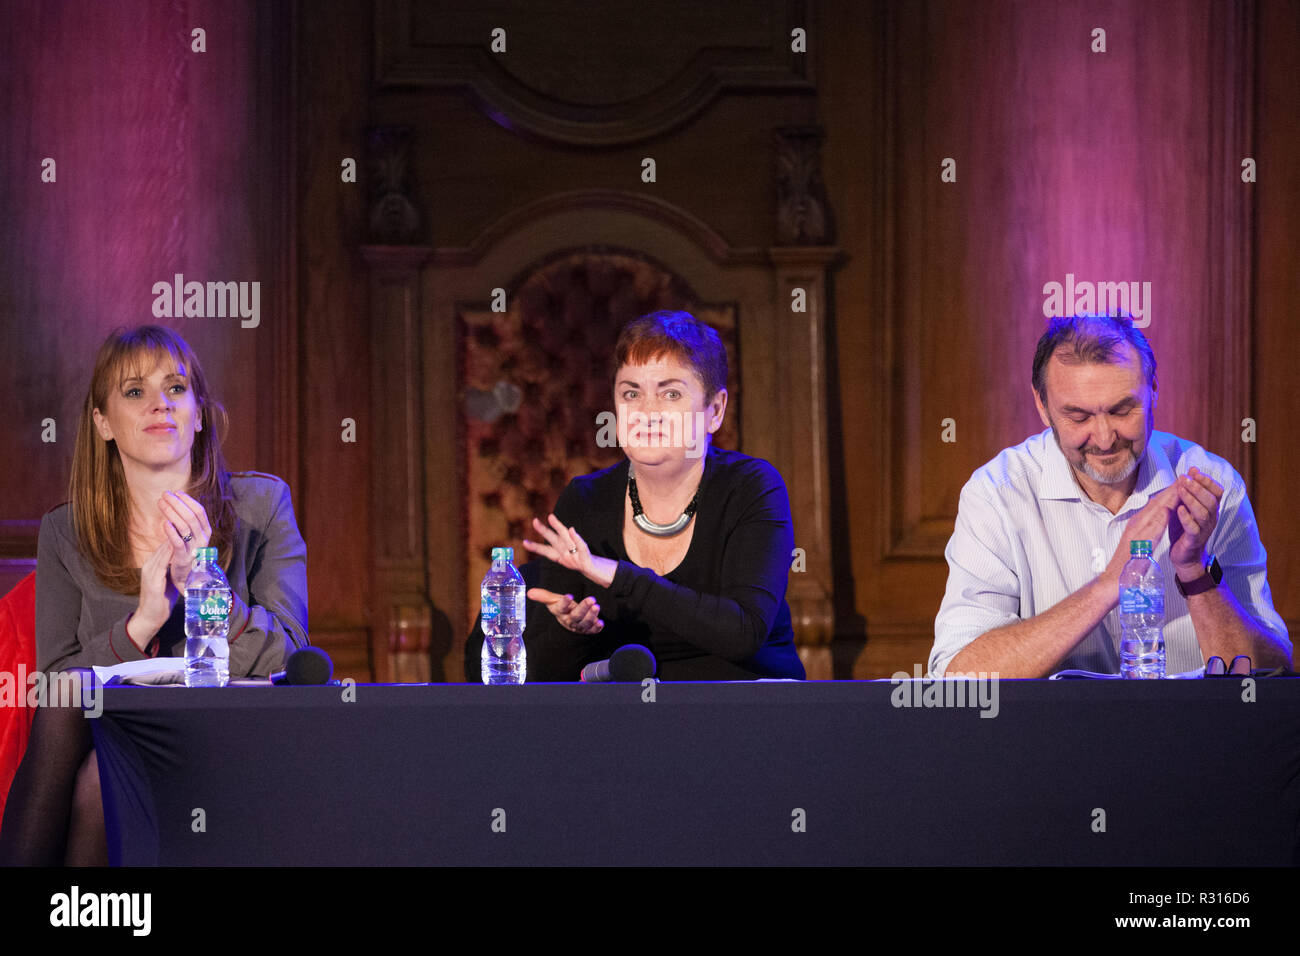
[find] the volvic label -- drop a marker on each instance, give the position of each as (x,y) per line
(215,607)
(1137,601)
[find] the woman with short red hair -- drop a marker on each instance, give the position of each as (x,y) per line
(684,547)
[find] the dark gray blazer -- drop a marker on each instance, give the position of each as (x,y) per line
(81,622)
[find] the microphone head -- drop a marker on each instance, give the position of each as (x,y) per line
(308,665)
(632,662)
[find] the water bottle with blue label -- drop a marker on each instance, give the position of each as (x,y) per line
(1141,615)
(502,600)
(207,622)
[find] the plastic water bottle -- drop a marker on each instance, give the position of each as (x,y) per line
(207,622)
(1141,615)
(503,660)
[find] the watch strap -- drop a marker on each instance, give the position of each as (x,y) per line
(1206,582)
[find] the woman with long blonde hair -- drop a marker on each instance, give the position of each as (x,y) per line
(149,487)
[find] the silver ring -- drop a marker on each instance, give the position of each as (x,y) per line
(573,551)
(189,536)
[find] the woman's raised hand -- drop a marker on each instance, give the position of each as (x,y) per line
(186,525)
(566,548)
(156,599)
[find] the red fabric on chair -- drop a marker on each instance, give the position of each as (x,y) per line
(17,660)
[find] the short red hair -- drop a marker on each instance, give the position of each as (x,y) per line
(677,335)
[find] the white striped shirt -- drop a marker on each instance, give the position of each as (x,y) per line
(1027,537)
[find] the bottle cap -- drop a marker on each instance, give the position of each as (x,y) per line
(205,554)
(503,554)
(1142,548)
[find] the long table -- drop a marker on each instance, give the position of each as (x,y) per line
(1184,773)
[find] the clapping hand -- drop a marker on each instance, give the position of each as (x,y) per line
(156,596)
(186,525)
(1148,524)
(1189,509)
(1193,520)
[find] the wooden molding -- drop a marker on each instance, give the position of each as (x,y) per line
(510,92)
(801,358)
(1229,292)
(611,200)
(275,118)
(397,475)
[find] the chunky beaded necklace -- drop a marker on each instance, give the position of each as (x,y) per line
(650,527)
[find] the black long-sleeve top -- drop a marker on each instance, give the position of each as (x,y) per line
(721,614)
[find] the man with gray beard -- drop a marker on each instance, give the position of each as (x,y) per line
(1043,530)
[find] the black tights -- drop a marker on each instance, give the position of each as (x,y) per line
(55,813)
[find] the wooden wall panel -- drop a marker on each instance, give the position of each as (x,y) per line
(591,74)
(168,161)
(333,81)
(1276,400)
(1114,166)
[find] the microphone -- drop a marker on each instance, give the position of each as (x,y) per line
(307,665)
(631,662)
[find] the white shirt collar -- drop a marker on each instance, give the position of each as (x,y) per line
(1155,473)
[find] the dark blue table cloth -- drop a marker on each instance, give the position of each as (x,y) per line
(1066,773)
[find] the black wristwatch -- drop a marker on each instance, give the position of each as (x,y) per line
(1207,581)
